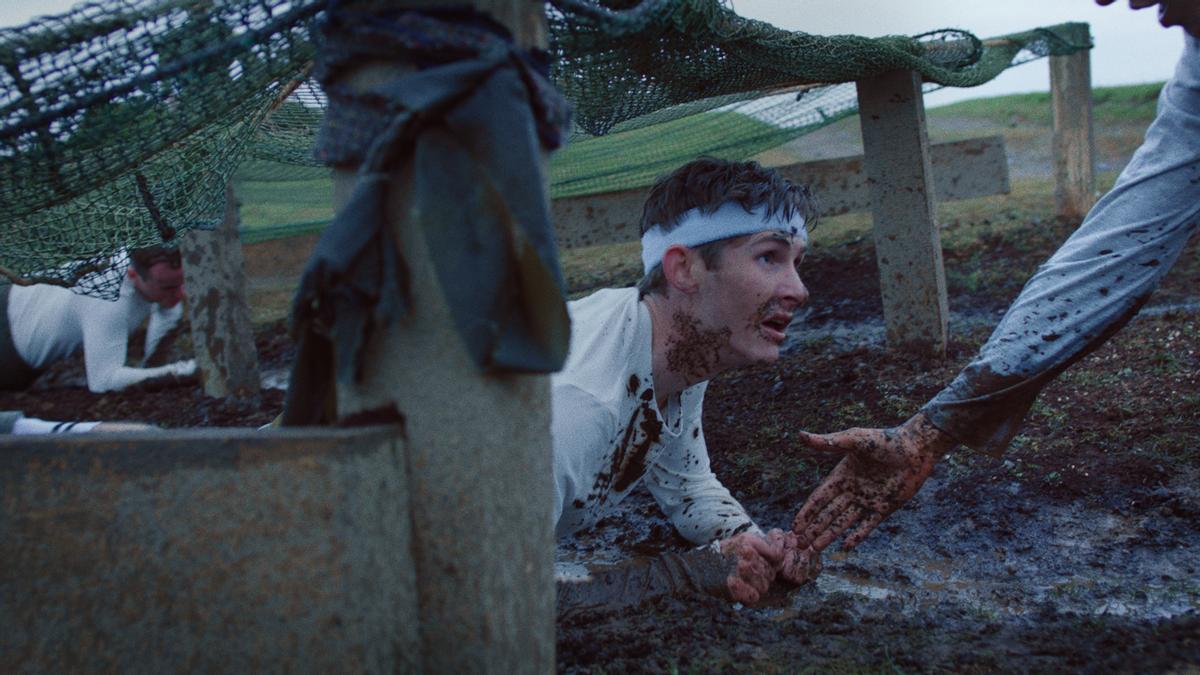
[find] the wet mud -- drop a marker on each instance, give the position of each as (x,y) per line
(975,574)
(1077,551)
(581,589)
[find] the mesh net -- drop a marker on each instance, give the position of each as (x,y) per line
(121,120)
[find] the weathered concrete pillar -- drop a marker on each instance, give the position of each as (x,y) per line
(478,451)
(908,247)
(1074,156)
(213,550)
(222,337)
(965,169)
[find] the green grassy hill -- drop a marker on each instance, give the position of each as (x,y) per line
(278,200)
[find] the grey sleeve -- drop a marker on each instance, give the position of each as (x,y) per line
(8,420)
(1096,281)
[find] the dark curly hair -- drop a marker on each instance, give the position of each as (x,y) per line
(142,259)
(706,184)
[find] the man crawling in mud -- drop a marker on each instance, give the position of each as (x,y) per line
(722,244)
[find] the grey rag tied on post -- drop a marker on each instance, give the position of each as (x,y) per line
(470,127)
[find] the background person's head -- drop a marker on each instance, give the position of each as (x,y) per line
(707,184)
(157,274)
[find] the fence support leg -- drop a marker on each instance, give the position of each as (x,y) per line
(908,247)
(1074,156)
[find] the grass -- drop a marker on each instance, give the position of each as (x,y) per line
(1110,105)
(278,199)
(267,203)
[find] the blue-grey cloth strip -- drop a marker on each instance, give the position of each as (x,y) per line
(471,131)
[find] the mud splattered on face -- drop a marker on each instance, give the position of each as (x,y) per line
(758,321)
(695,351)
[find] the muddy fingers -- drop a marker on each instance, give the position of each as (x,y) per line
(860,533)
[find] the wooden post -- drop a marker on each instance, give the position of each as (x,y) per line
(908,247)
(478,451)
(1074,156)
(222,338)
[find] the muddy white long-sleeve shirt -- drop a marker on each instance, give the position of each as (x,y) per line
(609,433)
(48,323)
(1095,282)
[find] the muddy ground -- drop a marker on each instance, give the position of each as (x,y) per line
(1077,551)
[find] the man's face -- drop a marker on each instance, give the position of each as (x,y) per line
(1185,13)
(752,294)
(162,285)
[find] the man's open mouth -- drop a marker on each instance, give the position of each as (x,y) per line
(775,326)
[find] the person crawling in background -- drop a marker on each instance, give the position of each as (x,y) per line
(41,324)
(722,244)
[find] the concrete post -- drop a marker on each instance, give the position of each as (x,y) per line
(965,169)
(214,550)
(478,451)
(222,338)
(908,246)
(1074,156)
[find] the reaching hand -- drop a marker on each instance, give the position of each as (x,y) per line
(800,564)
(882,469)
(758,557)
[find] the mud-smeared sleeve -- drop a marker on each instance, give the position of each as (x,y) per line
(1094,284)
(580,428)
(690,495)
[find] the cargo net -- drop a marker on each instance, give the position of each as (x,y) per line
(122,120)
(660,84)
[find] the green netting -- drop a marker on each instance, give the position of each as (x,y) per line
(121,121)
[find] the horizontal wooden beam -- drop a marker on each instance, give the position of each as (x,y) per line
(967,169)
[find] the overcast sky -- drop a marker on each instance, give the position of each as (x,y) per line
(1130,46)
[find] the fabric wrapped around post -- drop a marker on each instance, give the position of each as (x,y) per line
(484,214)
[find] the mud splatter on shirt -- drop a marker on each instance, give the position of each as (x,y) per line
(610,435)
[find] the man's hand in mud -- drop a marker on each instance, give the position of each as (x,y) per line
(758,558)
(882,469)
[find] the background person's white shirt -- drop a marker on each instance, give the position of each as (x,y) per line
(48,323)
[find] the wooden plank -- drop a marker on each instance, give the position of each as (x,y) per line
(1074,156)
(908,246)
(967,169)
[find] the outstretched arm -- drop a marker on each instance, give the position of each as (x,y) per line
(105,343)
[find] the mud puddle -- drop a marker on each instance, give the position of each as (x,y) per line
(807,329)
(996,549)
(1015,553)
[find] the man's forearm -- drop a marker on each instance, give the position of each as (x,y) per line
(125,376)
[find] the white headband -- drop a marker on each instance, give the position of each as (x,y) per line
(730,220)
